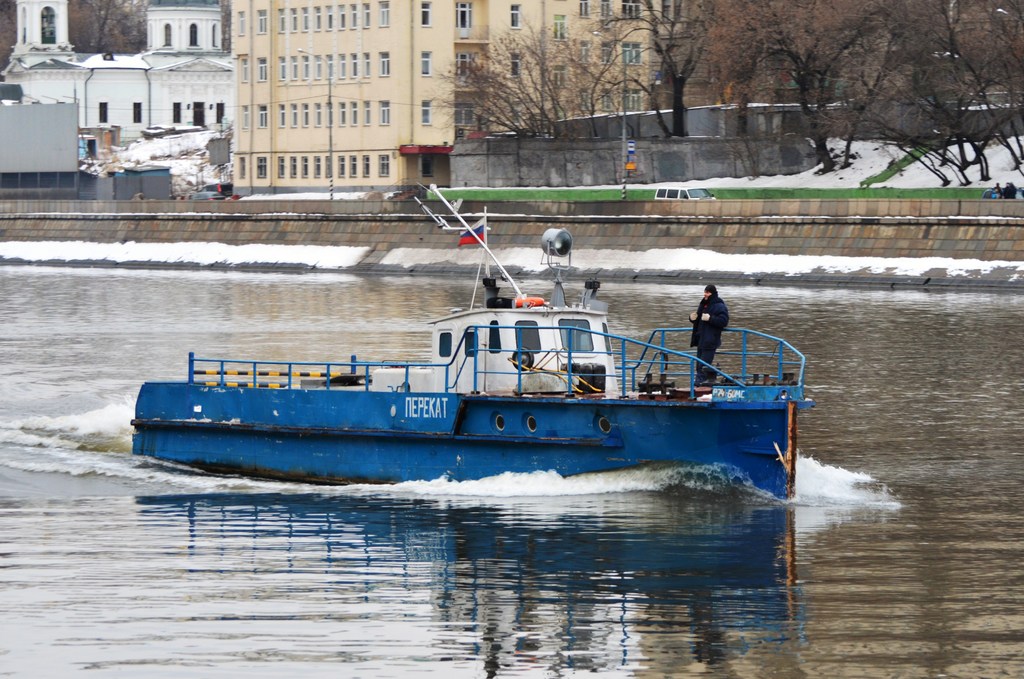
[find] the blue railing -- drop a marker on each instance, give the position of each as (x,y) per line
(663,362)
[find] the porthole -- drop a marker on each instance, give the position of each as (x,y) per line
(531,423)
(499,422)
(603,424)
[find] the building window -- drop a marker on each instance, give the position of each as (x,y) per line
(305,19)
(294,14)
(367,112)
(366,15)
(464,15)
(317,167)
(280,167)
(425,18)
(241,168)
(137,112)
(631,52)
(295,68)
(515,63)
(607,51)
(293,167)
(463,60)
(367,68)
(318,115)
(606,9)
(561,27)
(341,166)
(282,22)
(341,116)
(464,115)
(633,99)
(261,167)
(245,117)
(262,116)
(631,9)
(330,18)
(282,116)
(220,112)
(425,65)
(384,165)
(318,19)
(558,75)
(353,16)
(261,22)
(305,167)
(584,8)
(353,110)
(516,16)
(243,70)
(193,35)
(241,23)
(295,115)
(366,166)
(167,35)
(318,68)
(385,113)
(385,14)
(328,167)
(385,64)
(353,166)
(261,69)
(305,67)
(355,65)
(176,112)
(584,51)
(426,111)
(214,32)
(342,66)
(329,60)
(282,69)
(305,115)
(426,166)
(341,17)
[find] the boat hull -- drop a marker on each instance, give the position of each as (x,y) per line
(359,436)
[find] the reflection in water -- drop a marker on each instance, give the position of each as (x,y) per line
(585,584)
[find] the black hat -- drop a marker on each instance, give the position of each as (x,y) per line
(712,289)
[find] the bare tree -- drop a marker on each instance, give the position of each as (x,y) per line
(955,93)
(532,85)
(107,25)
(800,48)
(677,32)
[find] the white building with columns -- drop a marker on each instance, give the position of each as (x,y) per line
(183,78)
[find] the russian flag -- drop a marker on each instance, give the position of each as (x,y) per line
(480,229)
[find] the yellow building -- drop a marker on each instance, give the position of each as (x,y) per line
(358,96)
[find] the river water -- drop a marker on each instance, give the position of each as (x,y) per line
(901,556)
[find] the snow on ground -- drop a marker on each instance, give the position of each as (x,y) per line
(185,154)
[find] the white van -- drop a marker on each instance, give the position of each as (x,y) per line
(683,194)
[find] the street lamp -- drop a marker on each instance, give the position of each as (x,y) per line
(330,125)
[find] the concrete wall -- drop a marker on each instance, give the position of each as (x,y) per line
(551,162)
(39,138)
(984,239)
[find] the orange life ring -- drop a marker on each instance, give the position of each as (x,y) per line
(529,302)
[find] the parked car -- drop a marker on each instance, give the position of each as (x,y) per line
(674,193)
(207,195)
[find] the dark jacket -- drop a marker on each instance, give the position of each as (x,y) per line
(708,334)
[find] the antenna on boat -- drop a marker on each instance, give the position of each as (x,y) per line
(557,243)
(466,229)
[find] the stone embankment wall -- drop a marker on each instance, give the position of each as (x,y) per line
(991,231)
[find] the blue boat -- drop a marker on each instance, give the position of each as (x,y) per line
(518,383)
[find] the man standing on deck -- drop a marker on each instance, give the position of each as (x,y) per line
(708,321)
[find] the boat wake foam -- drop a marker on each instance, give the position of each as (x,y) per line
(106,429)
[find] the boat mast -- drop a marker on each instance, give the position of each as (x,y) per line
(442,223)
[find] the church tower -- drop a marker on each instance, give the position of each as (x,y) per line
(42,27)
(184,26)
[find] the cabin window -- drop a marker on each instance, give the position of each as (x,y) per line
(494,339)
(444,345)
(469,342)
(576,334)
(527,336)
